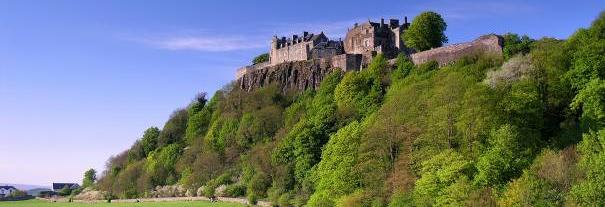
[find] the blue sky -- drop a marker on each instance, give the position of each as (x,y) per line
(81,80)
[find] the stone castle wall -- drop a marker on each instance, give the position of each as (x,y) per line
(246,69)
(295,52)
(347,62)
(488,44)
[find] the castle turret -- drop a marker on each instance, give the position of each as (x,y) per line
(274,42)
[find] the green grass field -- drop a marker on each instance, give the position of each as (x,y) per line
(38,203)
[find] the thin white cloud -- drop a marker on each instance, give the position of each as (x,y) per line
(204,42)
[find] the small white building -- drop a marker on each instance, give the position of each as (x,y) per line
(6,191)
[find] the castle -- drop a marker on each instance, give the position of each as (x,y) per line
(361,43)
(301,62)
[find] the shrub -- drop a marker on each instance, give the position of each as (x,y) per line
(235,190)
(516,68)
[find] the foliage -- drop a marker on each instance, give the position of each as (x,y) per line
(505,159)
(591,190)
(547,179)
(360,93)
(174,129)
(235,190)
(336,170)
(404,68)
(514,45)
(444,180)
(426,32)
(90,176)
(260,58)
(302,145)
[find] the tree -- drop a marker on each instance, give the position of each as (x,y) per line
(591,190)
(444,180)
(65,191)
(335,174)
(513,45)
(261,58)
(90,176)
(174,129)
(404,68)
(426,32)
(505,159)
(150,140)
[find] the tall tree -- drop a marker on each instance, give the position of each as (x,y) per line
(426,32)
(90,176)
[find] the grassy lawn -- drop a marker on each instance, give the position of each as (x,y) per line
(37,203)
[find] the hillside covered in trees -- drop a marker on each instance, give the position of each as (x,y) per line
(526,129)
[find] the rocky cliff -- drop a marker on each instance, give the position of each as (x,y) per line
(299,75)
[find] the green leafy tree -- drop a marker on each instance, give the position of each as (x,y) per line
(546,182)
(360,93)
(426,32)
(90,177)
(444,180)
(174,129)
(199,117)
(505,159)
(300,149)
(404,68)
(161,165)
(336,172)
(591,99)
(260,58)
(513,45)
(591,190)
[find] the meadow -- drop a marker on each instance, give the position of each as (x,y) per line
(38,203)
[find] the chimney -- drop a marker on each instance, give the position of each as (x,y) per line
(382,22)
(355,25)
(394,22)
(405,20)
(305,34)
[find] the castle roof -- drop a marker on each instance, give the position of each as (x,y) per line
(59,186)
(7,187)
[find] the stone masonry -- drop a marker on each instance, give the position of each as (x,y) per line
(491,44)
(301,62)
(305,47)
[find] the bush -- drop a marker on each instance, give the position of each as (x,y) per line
(260,58)
(235,190)
(516,68)
(252,198)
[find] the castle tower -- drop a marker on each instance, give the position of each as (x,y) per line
(273,51)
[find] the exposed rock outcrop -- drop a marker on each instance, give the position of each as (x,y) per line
(299,75)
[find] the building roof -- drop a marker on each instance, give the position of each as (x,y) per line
(7,187)
(59,186)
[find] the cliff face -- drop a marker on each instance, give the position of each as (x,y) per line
(299,75)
